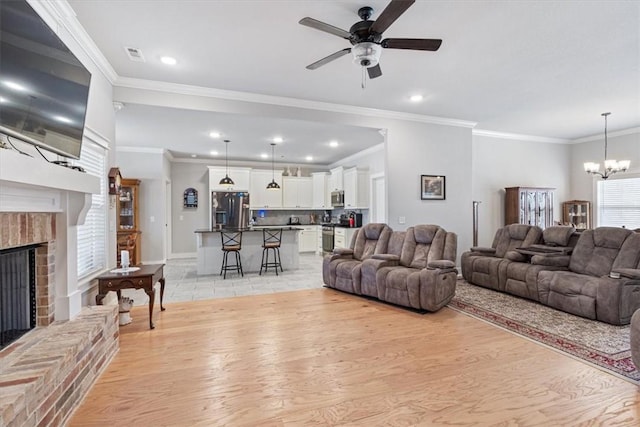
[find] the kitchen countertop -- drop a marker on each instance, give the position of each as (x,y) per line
(248,229)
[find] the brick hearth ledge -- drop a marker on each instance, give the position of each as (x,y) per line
(46,373)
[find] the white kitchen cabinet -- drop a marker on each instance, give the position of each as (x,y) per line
(342,236)
(241,178)
(259,196)
(336,182)
(297,192)
(319,240)
(321,193)
(356,189)
(307,238)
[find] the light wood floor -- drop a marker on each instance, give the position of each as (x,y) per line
(320,357)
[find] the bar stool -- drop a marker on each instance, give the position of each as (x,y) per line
(231,242)
(271,239)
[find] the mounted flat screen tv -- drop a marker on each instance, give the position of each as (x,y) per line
(44,88)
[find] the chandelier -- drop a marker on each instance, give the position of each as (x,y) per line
(610,166)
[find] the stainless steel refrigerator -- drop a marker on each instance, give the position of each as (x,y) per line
(229,209)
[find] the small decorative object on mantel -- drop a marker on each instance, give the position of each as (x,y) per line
(190,198)
(432,187)
(115,181)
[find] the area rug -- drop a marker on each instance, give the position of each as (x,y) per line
(600,344)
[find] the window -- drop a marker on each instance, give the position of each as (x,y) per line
(618,202)
(92,234)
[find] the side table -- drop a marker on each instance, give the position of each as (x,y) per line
(145,278)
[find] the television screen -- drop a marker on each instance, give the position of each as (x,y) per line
(44,88)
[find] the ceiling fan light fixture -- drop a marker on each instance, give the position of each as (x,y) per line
(366,54)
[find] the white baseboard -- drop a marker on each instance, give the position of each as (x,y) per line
(181,255)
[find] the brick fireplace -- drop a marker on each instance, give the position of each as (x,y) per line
(22,229)
(45,373)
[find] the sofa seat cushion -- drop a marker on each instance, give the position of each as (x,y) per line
(522,279)
(570,292)
(400,285)
(348,276)
(485,270)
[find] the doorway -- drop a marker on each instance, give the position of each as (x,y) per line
(378,199)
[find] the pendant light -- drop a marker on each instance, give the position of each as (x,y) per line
(610,166)
(273,185)
(226,181)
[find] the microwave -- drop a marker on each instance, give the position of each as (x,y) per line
(337,199)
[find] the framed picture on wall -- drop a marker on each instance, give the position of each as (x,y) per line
(432,187)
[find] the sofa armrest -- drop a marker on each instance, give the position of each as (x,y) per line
(441,264)
(516,256)
(629,273)
(551,260)
(483,251)
(374,264)
(386,257)
(343,251)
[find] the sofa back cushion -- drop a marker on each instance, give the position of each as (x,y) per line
(396,240)
(597,250)
(515,236)
(629,255)
(558,235)
(422,244)
(373,238)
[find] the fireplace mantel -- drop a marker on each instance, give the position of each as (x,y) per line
(29,184)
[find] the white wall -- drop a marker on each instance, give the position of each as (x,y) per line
(186,220)
(621,146)
(499,163)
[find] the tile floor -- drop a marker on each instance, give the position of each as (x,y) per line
(182,283)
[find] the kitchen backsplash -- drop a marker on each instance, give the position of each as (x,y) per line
(306,217)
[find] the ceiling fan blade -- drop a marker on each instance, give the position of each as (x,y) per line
(389,15)
(374,71)
(413,44)
(322,26)
(328,59)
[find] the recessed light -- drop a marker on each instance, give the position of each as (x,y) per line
(3,100)
(333,144)
(214,134)
(193,155)
(168,60)
(264,155)
(213,152)
(309,158)
(277,139)
(416,98)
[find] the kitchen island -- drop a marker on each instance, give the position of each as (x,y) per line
(209,249)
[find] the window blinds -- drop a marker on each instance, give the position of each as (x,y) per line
(618,202)
(92,234)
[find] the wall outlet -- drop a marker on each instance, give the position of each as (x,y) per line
(181,217)
(152,219)
(402,220)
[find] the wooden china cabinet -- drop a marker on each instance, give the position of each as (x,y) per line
(578,213)
(128,231)
(529,205)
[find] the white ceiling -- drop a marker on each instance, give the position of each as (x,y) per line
(543,68)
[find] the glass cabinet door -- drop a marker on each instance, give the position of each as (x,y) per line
(127,208)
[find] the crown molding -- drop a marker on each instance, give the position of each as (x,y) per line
(148,150)
(519,137)
(354,157)
(61,13)
(176,88)
(609,134)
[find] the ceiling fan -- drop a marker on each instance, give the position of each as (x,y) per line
(366,37)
